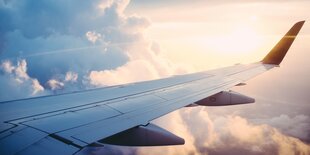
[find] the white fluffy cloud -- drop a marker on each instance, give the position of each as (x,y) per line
(7,66)
(297,126)
(145,61)
(95,40)
(92,36)
(132,71)
(231,134)
(225,135)
(236,133)
(63,83)
(71,76)
(55,85)
(16,83)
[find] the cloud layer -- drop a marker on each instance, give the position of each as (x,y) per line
(230,134)
(94,40)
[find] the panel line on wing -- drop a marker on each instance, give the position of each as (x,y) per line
(137,119)
(128,117)
(100,101)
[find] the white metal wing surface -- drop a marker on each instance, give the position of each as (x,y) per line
(120,115)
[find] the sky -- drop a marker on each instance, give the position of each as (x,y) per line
(52,47)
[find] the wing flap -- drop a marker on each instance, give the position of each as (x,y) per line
(20,140)
(48,146)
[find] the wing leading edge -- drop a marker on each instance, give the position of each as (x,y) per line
(65,124)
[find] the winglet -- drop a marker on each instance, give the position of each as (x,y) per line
(276,55)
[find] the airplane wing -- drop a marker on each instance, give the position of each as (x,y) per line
(121,115)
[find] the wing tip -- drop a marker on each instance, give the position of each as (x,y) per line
(302,21)
(277,54)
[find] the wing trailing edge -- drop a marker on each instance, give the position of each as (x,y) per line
(276,55)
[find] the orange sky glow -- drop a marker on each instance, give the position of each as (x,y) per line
(207,35)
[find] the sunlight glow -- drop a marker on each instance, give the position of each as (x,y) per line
(208,45)
(243,39)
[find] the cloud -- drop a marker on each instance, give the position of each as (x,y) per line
(64,83)
(225,135)
(230,134)
(62,27)
(71,76)
(236,135)
(95,40)
(7,66)
(16,83)
(296,126)
(130,72)
(54,84)
(37,88)
(93,36)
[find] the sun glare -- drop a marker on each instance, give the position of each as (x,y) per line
(243,39)
(204,45)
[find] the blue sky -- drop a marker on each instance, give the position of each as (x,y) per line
(51,47)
